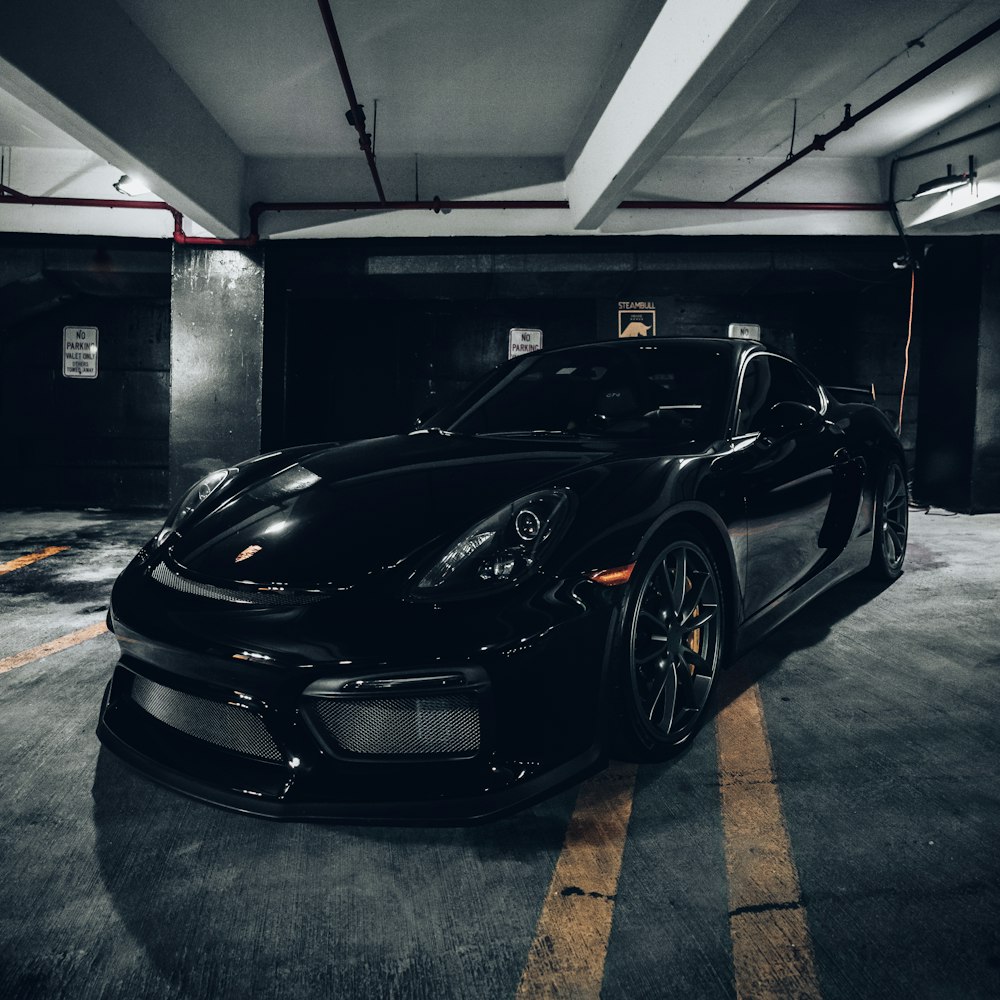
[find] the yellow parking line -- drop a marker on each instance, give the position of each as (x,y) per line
(33,557)
(571,940)
(772,950)
(55,646)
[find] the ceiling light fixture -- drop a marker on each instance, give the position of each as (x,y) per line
(949,182)
(131,186)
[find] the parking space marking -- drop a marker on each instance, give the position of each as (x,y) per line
(567,956)
(32,557)
(772,950)
(54,646)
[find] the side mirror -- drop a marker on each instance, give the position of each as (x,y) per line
(785,418)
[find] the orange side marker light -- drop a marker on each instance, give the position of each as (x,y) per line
(612,577)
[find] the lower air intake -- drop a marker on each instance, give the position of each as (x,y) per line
(402,727)
(225,725)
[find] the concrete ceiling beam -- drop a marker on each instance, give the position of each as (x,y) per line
(714,178)
(330,178)
(91,72)
(687,57)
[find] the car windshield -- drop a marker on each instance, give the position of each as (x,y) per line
(673,391)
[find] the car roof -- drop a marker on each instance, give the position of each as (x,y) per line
(736,345)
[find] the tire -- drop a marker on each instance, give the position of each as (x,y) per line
(672,645)
(892,504)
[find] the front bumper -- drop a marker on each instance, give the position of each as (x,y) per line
(359,709)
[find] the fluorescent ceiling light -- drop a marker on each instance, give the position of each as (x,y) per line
(939,185)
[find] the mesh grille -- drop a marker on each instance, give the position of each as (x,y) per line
(251,598)
(402,726)
(215,722)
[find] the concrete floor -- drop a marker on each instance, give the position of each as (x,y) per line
(881,708)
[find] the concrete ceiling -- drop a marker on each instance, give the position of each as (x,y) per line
(597,102)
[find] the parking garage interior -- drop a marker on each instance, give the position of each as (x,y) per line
(349,212)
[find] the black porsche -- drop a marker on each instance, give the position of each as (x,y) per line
(447,624)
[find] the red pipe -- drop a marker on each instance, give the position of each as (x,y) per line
(345,76)
(211,241)
(436,205)
(11,196)
(849,120)
(8,194)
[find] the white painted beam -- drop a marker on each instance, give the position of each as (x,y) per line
(334,178)
(87,69)
(692,50)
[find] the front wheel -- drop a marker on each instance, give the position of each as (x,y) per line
(675,626)
(892,505)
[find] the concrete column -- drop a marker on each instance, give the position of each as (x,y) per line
(216,353)
(986,442)
(958,436)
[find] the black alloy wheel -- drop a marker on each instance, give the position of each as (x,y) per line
(674,639)
(892,507)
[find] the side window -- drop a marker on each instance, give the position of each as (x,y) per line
(769,380)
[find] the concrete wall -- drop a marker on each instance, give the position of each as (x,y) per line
(435,315)
(79,442)
(959,434)
(338,339)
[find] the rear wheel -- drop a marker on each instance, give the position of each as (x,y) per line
(675,626)
(892,505)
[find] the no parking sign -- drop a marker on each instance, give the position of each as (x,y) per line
(523,341)
(80,351)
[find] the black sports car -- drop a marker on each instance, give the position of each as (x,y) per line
(450,623)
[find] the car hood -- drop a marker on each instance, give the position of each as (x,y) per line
(341,515)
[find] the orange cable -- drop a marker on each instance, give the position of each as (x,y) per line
(906,366)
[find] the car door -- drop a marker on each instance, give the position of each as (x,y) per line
(792,455)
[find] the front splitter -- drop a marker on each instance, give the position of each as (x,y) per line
(450,811)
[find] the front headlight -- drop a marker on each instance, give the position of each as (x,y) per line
(191,501)
(500,550)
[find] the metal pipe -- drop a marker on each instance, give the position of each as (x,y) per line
(849,120)
(958,140)
(436,205)
(345,76)
(8,194)
(212,241)
(440,205)
(11,196)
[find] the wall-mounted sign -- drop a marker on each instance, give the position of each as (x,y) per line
(80,351)
(745,331)
(636,319)
(523,341)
